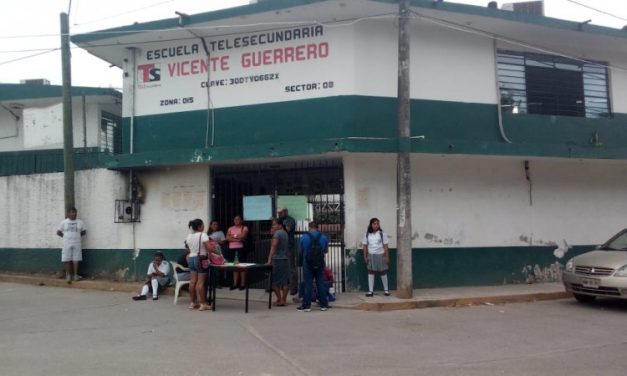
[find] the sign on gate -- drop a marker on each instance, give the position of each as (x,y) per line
(257,208)
(297,206)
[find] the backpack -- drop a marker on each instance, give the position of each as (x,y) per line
(315,256)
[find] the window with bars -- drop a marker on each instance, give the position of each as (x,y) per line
(110,133)
(552,85)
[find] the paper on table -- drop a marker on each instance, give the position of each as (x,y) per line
(245,264)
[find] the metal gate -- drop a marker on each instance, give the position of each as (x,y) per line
(320,181)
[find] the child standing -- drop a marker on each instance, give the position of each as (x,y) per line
(71,230)
(375,248)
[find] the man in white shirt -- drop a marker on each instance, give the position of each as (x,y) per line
(156,278)
(71,230)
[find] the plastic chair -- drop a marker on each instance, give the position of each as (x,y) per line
(177,268)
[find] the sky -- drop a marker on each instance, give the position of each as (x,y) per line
(25,32)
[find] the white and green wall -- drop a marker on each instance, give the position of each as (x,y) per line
(478,220)
(476,217)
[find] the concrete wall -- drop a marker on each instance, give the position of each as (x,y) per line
(11,133)
(42,127)
(173,197)
(618,88)
(485,202)
(33,208)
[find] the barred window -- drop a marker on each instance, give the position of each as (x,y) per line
(552,85)
(110,133)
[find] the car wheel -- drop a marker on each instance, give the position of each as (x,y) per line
(584,298)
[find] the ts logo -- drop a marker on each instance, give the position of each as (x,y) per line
(149,73)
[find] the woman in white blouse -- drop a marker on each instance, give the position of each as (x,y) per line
(376,255)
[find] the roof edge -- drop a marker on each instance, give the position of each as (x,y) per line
(507,15)
(173,23)
(273,5)
(32,91)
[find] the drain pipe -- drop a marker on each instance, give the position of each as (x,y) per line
(133,86)
(184,19)
(498,94)
(210,122)
(84,123)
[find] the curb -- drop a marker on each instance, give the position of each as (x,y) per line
(101,285)
(416,303)
(461,302)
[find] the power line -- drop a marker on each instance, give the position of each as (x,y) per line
(597,10)
(348,22)
(342,23)
(28,57)
(31,50)
(121,14)
(299,23)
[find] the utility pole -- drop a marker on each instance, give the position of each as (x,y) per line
(68,137)
(404,279)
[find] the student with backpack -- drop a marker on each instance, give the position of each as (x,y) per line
(376,255)
(314,246)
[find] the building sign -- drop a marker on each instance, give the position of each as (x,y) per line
(267,66)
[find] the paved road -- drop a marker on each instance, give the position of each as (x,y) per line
(59,331)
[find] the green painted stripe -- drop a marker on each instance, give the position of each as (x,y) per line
(363,124)
(432,267)
(358,124)
(47,161)
(114,264)
(445,267)
(98,263)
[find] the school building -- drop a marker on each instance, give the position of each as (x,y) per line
(518,134)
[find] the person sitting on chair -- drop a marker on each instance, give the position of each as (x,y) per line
(156,279)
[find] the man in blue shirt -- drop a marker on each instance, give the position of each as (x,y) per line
(313,268)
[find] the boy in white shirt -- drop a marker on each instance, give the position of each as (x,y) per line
(156,278)
(71,230)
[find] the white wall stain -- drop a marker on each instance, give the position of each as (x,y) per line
(537,274)
(121,274)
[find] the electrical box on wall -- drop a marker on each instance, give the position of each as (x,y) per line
(126,211)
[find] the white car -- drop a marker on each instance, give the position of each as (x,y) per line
(602,272)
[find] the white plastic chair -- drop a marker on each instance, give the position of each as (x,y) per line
(177,268)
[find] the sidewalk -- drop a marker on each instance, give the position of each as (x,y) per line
(423,298)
